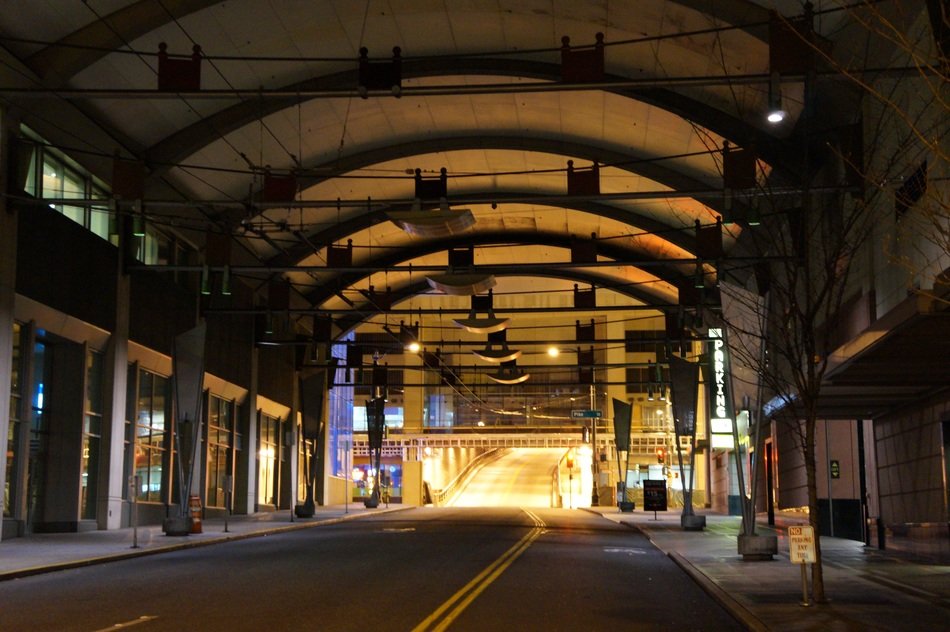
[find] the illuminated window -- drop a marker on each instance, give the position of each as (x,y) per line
(220,427)
(267,472)
(152,409)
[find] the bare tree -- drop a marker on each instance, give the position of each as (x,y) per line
(877,162)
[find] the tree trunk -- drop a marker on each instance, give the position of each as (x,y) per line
(817,576)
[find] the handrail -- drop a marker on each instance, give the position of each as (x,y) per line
(440,495)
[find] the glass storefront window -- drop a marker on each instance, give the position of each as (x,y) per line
(150,436)
(92,432)
(220,427)
(340,416)
(267,471)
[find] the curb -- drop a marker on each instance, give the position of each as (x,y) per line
(733,607)
(739,612)
(134,553)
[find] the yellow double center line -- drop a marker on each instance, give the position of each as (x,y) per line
(445,614)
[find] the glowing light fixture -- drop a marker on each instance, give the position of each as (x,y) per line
(138,219)
(775,114)
(205,280)
(226,281)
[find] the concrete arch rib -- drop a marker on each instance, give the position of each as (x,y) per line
(338,232)
(342,281)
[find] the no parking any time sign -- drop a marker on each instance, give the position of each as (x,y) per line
(801,545)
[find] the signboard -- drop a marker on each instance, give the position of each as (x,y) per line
(720,399)
(801,545)
(654,495)
(835,469)
(586,414)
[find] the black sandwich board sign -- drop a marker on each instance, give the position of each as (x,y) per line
(654,495)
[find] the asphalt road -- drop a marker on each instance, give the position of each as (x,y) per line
(420,569)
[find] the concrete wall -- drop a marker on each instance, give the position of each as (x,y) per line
(790,467)
(911,477)
(442,465)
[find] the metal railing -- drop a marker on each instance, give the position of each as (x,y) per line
(440,496)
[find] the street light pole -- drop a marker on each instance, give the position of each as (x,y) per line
(595,497)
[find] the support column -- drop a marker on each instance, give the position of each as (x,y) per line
(8,240)
(413,399)
(247,502)
(290,440)
(115,381)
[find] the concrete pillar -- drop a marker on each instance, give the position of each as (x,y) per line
(247,502)
(413,399)
(8,239)
(291,438)
(115,382)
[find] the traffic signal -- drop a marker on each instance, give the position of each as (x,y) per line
(570,463)
(660,455)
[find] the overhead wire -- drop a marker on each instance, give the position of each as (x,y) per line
(348,59)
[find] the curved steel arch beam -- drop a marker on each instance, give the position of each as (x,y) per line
(684,239)
(347,322)
(60,63)
(343,280)
(189,140)
(145,16)
(635,163)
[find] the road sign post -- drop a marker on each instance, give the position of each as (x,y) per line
(801,550)
(586,414)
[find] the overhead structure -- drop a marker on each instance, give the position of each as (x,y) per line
(331,174)
(488,324)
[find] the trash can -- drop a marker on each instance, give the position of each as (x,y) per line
(194,509)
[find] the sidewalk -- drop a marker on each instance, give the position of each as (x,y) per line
(41,553)
(867,589)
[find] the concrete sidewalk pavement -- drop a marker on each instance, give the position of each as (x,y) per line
(41,553)
(867,589)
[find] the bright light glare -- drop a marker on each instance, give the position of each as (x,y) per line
(553,352)
(776,116)
(413,347)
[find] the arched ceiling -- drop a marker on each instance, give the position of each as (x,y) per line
(481,97)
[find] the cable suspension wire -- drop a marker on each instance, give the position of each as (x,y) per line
(331,59)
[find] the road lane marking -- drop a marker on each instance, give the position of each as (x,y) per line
(128,624)
(626,551)
(470,591)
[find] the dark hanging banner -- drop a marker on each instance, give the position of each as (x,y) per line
(684,382)
(622,413)
(313,384)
